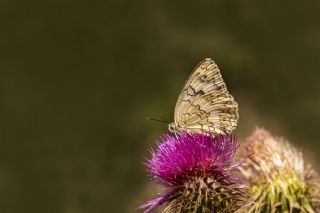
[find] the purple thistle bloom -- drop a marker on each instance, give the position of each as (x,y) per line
(196,172)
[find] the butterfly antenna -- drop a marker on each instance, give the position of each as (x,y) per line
(159,120)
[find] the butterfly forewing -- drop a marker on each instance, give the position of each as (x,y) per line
(204,103)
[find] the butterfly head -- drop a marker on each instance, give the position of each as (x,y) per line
(173,127)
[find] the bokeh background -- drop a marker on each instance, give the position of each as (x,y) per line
(79,78)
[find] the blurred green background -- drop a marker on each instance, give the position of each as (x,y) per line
(78,80)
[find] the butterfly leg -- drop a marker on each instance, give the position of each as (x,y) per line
(175,133)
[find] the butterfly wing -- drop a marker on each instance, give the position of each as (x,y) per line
(204,103)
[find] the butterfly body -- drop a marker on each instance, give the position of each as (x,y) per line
(204,104)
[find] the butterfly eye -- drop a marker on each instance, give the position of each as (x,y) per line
(172,127)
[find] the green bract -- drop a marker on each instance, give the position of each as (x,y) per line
(278,179)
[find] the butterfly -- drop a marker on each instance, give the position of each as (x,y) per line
(204,104)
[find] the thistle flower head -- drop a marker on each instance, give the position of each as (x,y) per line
(277,175)
(195,171)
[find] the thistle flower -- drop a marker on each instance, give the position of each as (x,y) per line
(278,178)
(196,173)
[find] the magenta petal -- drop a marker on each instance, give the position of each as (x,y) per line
(191,162)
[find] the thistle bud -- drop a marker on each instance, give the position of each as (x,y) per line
(278,177)
(196,172)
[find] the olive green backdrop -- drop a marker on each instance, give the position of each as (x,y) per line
(78,80)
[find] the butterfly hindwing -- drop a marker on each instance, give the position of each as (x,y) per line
(204,103)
